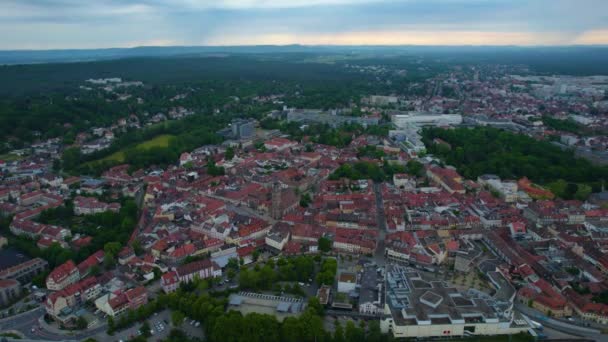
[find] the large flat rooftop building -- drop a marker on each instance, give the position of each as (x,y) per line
(425,119)
(420,307)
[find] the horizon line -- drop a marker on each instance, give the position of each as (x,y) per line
(319,45)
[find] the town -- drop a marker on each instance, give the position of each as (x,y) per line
(387,218)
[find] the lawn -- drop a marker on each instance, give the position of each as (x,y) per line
(10,157)
(158,141)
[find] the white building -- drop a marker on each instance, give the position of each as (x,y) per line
(423,119)
(424,308)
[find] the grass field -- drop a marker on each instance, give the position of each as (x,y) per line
(10,157)
(158,141)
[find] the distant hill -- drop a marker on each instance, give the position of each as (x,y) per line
(523,55)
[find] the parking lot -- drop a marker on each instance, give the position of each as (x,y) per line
(159,326)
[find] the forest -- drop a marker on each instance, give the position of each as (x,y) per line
(483,150)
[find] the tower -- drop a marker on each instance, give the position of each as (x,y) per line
(276,211)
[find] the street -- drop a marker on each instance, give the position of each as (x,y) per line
(381,219)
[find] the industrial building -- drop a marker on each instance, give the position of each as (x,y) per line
(334,120)
(420,307)
(423,119)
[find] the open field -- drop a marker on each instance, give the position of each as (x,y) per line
(10,157)
(158,141)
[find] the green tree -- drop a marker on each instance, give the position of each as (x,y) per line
(177,318)
(81,323)
(313,304)
(324,244)
(229,153)
(112,248)
(145,329)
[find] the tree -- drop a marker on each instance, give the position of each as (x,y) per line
(229,153)
(324,244)
(112,248)
(352,333)
(95,270)
(305,200)
(81,323)
(338,332)
(110,325)
(583,192)
(233,263)
(71,158)
(415,168)
(231,273)
(177,318)
(137,248)
(145,329)
(108,261)
(315,305)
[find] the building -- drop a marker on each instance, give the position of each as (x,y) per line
(426,308)
(280,307)
(318,116)
(62,276)
(423,119)
(448,178)
(243,128)
(91,205)
(277,239)
(201,269)
(381,100)
(115,304)
(370,292)
(10,290)
(347,282)
(25,271)
(61,304)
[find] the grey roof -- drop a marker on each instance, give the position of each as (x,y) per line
(235,300)
(283,307)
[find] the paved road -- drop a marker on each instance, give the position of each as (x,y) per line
(29,324)
(381,222)
(567,328)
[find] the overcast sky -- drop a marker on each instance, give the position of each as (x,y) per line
(51,24)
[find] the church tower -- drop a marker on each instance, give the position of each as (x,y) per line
(276,211)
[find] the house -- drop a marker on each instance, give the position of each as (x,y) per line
(201,269)
(91,205)
(62,276)
(25,271)
(125,255)
(169,282)
(448,179)
(94,259)
(277,239)
(73,296)
(10,290)
(117,303)
(279,144)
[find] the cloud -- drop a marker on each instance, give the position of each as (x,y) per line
(110,23)
(593,37)
(395,38)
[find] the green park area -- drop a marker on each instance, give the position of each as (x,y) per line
(158,141)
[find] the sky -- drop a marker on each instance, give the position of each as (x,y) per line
(67,24)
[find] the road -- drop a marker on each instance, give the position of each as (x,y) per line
(564,327)
(29,324)
(381,223)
